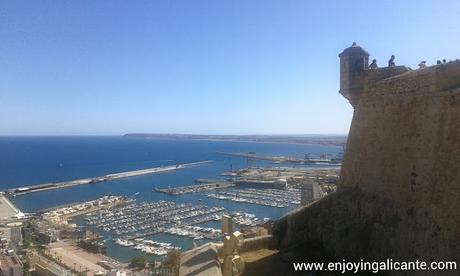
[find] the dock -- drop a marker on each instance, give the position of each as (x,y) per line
(98,179)
(195,188)
(323,159)
(64,213)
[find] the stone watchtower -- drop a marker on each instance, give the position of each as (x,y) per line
(354,61)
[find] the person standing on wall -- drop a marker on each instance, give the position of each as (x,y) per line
(391,62)
(373,65)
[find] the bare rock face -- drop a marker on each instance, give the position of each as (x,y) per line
(399,195)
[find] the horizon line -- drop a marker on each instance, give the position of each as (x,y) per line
(169,134)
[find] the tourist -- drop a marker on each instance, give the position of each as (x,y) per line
(438,62)
(391,62)
(373,64)
(422,64)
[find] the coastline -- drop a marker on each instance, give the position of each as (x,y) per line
(311,142)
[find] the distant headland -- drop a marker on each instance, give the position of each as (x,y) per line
(313,139)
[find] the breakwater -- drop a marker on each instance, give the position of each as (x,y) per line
(97,179)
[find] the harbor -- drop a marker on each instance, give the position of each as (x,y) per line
(158,213)
(186,216)
(140,225)
(137,224)
(139,220)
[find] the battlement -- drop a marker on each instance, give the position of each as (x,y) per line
(432,80)
(357,81)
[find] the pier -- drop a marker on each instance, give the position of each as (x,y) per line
(97,179)
(266,197)
(64,213)
(195,188)
(309,159)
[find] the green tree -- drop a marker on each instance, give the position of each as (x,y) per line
(138,262)
(26,268)
(27,242)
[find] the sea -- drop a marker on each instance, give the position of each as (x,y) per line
(30,160)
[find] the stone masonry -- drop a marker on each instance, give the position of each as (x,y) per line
(399,193)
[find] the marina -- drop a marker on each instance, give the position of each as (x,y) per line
(135,225)
(146,219)
(148,246)
(266,197)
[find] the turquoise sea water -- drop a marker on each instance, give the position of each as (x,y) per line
(34,160)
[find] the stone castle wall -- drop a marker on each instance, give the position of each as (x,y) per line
(399,195)
(404,146)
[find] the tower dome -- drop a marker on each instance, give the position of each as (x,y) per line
(354,50)
(354,61)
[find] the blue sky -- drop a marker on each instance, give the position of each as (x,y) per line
(208,67)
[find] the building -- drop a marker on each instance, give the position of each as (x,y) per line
(15,232)
(10,266)
(116,273)
(41,266)
(44,231)
(309,192)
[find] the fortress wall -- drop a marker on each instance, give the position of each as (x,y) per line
(400,80)
(256,243)
(348,224)
(399,195)
(404,145)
